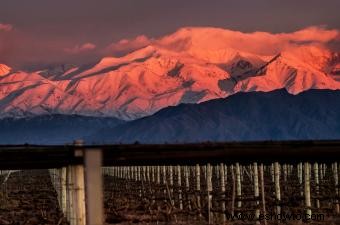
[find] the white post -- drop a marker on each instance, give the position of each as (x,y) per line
(277,186)
(164,182)
(198,187)
(307,190)
(153,174)
(209,190)
(70,190)
(285,173)
(179,183)
(79,194)
(317,187)
(263,192)
(158,181)
(94,187)
(63,181)
(171,178)
(187,185)
(233,190)
(148,177)
(238,186)
(256,191)
(222,184)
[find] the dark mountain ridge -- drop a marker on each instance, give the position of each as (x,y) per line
(253,116)
(51,129)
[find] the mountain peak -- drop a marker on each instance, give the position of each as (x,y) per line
(4,69)
(192,65)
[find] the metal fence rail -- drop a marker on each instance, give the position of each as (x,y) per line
(44,157)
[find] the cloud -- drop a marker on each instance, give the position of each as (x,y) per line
(80,48)
(127,45)
(22,49)
(263,43)
(312,34)
(268,43)
(5,27)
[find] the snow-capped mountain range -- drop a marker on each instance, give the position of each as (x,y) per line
(192,65)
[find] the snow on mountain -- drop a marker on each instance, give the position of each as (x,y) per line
(191,65)
(4,69)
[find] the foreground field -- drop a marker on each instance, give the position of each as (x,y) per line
(179,195)
(28,198)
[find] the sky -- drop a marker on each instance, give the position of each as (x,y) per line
(37,33)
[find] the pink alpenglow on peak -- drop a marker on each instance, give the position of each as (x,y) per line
(4,69)
(191,65)
(260,43)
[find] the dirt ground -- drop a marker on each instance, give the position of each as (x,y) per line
(28,198)
(131,202)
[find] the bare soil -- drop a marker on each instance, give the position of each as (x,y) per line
(28,198)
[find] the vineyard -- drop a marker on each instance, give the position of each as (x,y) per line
(198,191)
(206,194)
(27,197)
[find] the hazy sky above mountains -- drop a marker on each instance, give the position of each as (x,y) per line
(47,31)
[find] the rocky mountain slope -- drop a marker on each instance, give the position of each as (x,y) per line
(192,65)
(51,129)
(253,116)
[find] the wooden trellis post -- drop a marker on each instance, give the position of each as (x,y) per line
(135,173)
(158,180)
(256,191)
(263,192)
(148,177)
(317,187)
(139,177)
(321,172)
(222,184)
(307,190)
(233,190)
(187,186)
(79,194)
(171,178)
(277,187)
(285,173)
(179,183)
(209,190)
(70,207)
(63,191)
(300,170)
(272,172)
(164,182)
(152,174)
(238,185)
(94,184)
(336,182)
(198,188)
